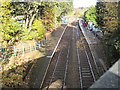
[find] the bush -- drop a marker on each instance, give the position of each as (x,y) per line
(11,31)
(37,32)
(39,28)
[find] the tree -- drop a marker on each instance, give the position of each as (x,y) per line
(9,27)
(49,12)
(29,10)
(53,11)
(108,20)
(100,12)
(90,15)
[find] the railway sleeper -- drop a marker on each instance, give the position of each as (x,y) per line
(59,71)
(84,64)
(88,83)
(57,77)
(61,63)
(86,76)
(86,87)
(84,61)
(60,68)
(59,74)
(85,71)
(88,80)
(86,68)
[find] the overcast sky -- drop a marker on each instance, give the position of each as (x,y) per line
(83,3)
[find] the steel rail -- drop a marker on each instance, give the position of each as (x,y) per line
(91,69)
(88,61)
(54,69)
(56,66)
(94,59)
(66,69)
(80,74)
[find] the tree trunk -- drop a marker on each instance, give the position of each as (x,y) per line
(31,21)
(26,23)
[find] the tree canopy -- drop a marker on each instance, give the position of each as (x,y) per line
(108,19)
(106,15)
(47,14)
(90,15)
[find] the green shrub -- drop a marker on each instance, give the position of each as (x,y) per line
(37,32)
(39,29)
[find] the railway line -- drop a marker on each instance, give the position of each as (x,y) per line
(58,65)
(72,61)
(87,75)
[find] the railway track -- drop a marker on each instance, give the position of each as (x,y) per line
(87,75)
(90,71)
(57,71)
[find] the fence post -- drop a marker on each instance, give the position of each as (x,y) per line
(39,44)
(23,50)
(42,43)
(15,53)
(30,48)
(35,45)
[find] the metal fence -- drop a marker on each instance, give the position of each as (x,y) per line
(16,50)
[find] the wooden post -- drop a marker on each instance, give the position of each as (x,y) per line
(23,49)
(15,53)
(30,48)
(39,44)
(42,43)
(35,46)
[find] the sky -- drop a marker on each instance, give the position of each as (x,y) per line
(83,3)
